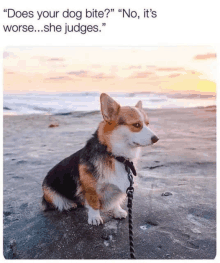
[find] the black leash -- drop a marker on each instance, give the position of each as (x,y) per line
(130,191)
(129,167)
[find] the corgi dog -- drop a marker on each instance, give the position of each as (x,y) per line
(95,176)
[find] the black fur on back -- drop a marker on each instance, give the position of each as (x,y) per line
(92,152)
(64,177)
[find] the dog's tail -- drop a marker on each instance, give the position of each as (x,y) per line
(46,205)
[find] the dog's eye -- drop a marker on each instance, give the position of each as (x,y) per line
(136,125)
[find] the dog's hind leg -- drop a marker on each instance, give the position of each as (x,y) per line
(46,205)
(52,200)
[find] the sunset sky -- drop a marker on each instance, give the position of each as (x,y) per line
(104,69)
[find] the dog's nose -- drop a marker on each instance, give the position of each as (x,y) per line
(154,139)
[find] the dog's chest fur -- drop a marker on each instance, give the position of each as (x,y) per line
(117,176)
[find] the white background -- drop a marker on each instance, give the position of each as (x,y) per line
(178,22)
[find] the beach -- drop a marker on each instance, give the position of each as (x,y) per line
(174,206)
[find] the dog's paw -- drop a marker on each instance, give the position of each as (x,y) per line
(95,220)
(119,213)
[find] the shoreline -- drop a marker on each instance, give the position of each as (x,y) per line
(85,113)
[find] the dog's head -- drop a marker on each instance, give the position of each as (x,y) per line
(126,126)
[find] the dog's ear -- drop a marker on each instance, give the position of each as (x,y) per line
(139,104)
(109,108)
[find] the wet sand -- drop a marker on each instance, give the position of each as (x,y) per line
(174,208)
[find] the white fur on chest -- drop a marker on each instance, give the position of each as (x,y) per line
(119,177)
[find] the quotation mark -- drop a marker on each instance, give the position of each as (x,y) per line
(5,10)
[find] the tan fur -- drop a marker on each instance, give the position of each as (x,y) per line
(109,163)
(105,167)
(48,194)
(146,120)
(52,198)
(104,133)
(131,116)
(88,184)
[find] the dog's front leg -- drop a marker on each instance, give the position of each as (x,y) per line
(94,217)
(92,199)
(118,212)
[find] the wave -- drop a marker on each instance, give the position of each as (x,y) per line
(84,102)
(6,108)
(79,113)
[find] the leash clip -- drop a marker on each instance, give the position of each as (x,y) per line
(130,176)
(130,190)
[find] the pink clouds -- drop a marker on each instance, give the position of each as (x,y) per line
(206,56)
(58,78)
(170,69)
(79,73)
(56,59)
(143,74)
(174,75)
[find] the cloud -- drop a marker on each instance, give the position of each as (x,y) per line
(150,66)
(144,74)
(55,59)
(88,74)
(79,73)
(59,78)
(205,56)
(8,55)
(174,75)
(170,69)
(102,76)
(193,72)
(133,67)
(9,72)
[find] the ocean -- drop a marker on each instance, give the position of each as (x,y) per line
(66,103)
